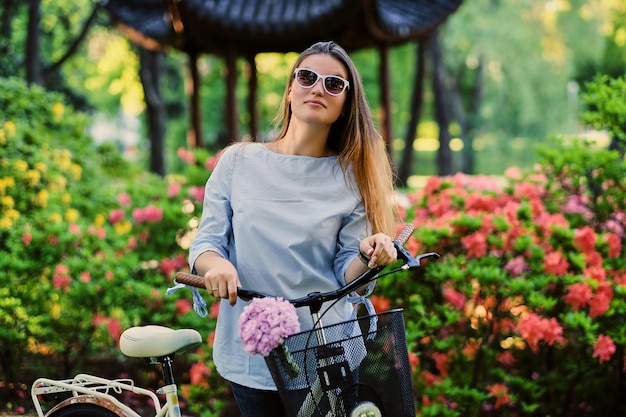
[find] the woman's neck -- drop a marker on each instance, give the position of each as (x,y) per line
(306,142)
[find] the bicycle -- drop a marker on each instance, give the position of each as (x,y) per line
(356,368)
(340,388)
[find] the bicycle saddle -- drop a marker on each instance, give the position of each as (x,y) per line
(157,341)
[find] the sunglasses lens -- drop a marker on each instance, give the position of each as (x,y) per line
(334,85)
(306,78)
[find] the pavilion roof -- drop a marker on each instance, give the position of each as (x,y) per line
(255,26)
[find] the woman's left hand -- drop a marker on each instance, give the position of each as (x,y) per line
(379,249)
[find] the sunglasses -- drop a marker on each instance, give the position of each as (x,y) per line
(333,84)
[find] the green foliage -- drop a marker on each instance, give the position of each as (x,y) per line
(526,300)
(88,243)
(607,107)
(522,315)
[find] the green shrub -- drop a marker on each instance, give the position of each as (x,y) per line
(88,244)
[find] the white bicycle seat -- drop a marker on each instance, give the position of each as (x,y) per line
(157,341)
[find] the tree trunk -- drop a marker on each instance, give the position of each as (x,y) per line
(417,100)
(194,137)
(33,60)
(151,67)
(444,155)
(7,12)
(473,115)
(384,95)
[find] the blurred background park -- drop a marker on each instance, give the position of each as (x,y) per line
(107,137)
(509,76)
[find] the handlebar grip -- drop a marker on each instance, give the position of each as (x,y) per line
(198,282)
(190,279)
(405,234)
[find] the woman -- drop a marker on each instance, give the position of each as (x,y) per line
(306,212)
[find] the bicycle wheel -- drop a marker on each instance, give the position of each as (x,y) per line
(85,410)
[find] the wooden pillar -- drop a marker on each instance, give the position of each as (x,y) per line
(194,137)
(253,83)
(385,94)
(150,72)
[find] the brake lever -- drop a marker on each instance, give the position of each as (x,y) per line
(412,262)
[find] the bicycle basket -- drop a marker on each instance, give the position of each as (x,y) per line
(348,367)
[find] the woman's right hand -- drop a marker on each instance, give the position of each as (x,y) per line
(221,278)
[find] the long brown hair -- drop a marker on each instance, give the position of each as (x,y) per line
(356,141)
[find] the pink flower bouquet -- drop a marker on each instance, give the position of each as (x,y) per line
(265,324)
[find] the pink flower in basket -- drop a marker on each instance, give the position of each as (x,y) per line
(265,324)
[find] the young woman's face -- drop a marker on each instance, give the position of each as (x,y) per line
(315,105)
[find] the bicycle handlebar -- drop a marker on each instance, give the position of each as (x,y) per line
(316,299)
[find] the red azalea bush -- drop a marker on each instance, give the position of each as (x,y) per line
(524,313)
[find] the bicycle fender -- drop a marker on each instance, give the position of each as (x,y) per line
(88,399)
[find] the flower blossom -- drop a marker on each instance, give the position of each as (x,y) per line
(585,239)
(27,238)
(516,266)
(124,199)
(601,300)
(183,306)
(186,156)
(500,391)
(414,361)
(116,216)
(576,204)
(265,324)
(148,214)
(554,263)
(615,245)
(513,173)
(197,193)
(506,358)
(534,329)
(198,374)
(578,295)
(454,297)
(173,189)
(475,244)
(603,348)
(61,278)
(210,163)
(380,303)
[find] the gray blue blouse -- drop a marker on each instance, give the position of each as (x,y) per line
(290,225)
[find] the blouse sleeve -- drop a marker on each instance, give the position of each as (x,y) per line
(215,229)
(354,229)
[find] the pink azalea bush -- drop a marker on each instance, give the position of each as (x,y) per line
(524,313)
